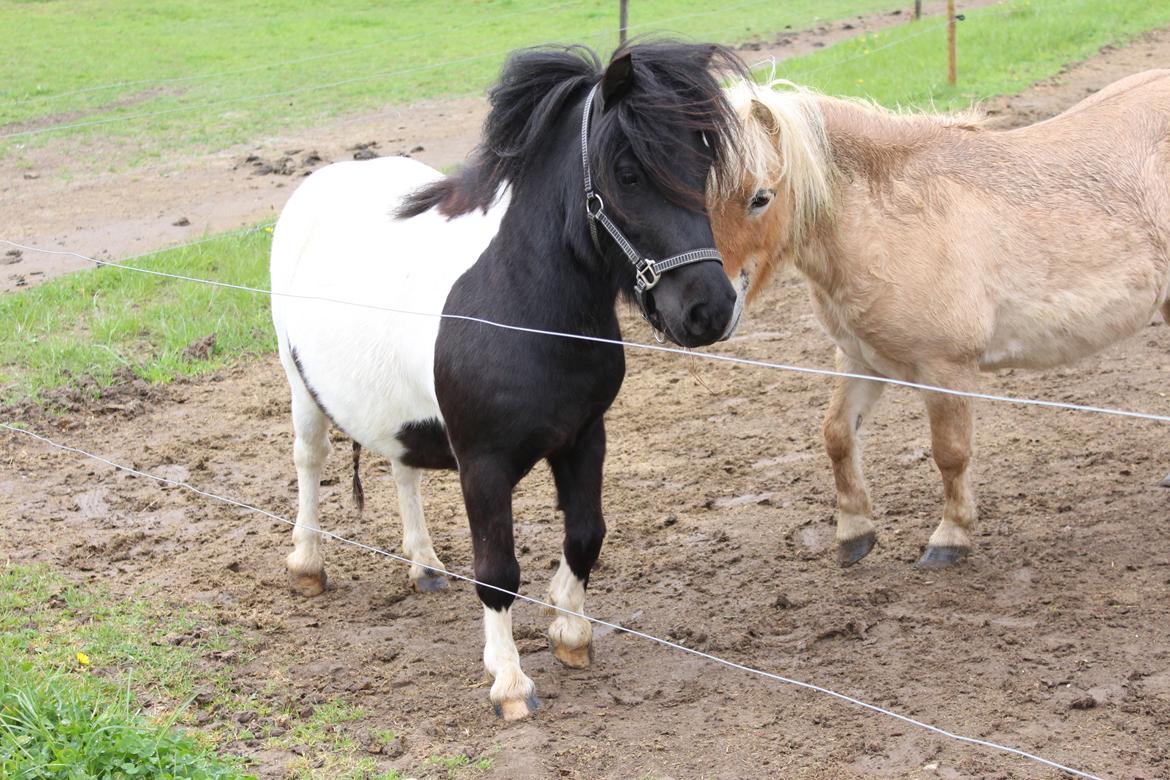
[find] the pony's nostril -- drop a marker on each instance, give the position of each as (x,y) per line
(698,319)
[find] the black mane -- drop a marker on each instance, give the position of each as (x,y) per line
(673,95)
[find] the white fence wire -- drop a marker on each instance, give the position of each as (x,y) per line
(712,356)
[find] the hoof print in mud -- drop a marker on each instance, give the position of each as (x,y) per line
(941,557)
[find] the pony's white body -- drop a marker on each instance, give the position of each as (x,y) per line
(371,371)
(338,238)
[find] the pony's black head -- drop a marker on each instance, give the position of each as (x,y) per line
(661,129)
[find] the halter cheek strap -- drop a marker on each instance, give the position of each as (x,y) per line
(647,272)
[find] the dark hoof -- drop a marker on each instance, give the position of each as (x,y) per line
(941,557)
(852,551)
(430,583)
(517,709)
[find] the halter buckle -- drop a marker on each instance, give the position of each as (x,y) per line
(646,274)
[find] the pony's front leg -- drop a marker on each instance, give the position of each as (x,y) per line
(306,564)
(951,430)
(577,472)
(487,494)
(416,539)
(852,401)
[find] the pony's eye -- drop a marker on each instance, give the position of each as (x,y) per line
(627,178)
(761,199)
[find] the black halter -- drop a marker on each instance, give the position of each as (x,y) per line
(647,272)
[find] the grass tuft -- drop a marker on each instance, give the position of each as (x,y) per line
(67,707)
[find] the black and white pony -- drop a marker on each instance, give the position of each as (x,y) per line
(520,236)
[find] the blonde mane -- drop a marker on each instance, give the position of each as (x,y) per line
(785,142)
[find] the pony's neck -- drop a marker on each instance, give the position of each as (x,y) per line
(866,148)
(543,251)
(871,144)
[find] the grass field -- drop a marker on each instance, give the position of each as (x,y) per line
(102,323)
(1001,50)
(73,665)
(223,73)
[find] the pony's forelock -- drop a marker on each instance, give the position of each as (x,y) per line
(674,93)
(784,146)
(675,96)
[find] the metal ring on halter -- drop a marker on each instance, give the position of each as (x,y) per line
(590,198)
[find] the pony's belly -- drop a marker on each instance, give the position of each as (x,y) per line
(1049,335)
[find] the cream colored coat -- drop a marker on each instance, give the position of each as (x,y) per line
(935,247)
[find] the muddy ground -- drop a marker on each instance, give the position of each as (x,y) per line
(1054,638)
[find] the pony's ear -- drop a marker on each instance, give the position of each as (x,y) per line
(762,114)
(617,79)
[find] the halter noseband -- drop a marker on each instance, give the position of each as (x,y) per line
(647,272)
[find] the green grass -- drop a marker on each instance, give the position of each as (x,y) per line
(103,323)
(60,56)
(71,663)
(1001,50)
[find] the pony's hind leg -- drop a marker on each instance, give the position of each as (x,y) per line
(951,432)
(306,564)
(577,473)
(852,401)
(416,539)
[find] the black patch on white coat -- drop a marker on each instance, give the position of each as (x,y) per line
(427,446)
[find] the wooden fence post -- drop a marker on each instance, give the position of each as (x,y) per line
(917,9)
(951,76)
(623,20)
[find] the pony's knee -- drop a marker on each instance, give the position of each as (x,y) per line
(838,437)
(951,456)
(583,546)
(310,453)
(498,579)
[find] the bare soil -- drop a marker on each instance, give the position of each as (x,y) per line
(62,196)
(1054,637)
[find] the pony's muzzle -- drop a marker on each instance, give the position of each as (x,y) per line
(711,320)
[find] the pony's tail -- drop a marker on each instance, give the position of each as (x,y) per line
(359,495)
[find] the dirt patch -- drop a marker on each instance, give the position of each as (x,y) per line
(57,196)
(719,502)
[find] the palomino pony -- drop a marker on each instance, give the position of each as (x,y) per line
(521,237)
(935,248)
